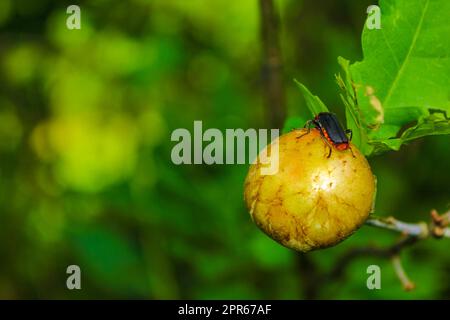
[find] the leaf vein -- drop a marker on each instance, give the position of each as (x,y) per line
(413,43)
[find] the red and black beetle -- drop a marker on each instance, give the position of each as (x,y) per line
(331,131)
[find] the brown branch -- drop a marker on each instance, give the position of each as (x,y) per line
(272,64)
(274,96)
(352,254)
(411,234)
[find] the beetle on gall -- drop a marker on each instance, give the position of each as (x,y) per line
(331,131)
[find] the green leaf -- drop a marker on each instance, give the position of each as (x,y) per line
(432,125)
(405,72)
(315,105)
(352,113)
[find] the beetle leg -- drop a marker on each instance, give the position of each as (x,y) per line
(350,132)
(331,149)
(308,126)
(327,142)
(351,150)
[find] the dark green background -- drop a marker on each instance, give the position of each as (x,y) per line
(85,170)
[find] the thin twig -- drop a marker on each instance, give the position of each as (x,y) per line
(408,285)
(413,229)
(437,227)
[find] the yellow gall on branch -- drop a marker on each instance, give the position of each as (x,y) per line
(313,201)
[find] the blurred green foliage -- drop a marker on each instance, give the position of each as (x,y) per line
(85,170)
